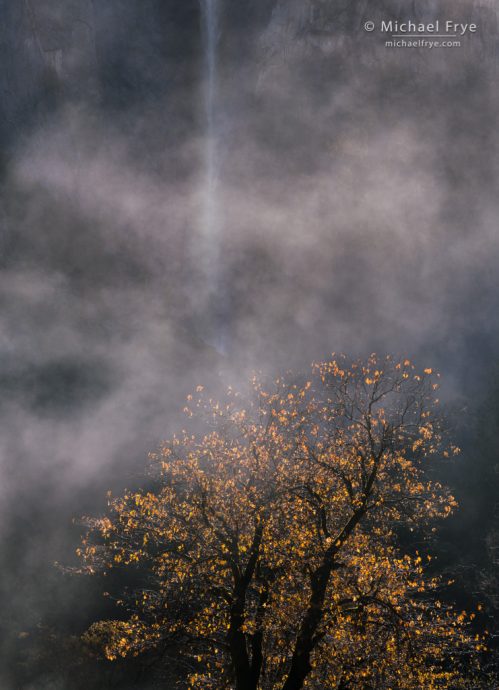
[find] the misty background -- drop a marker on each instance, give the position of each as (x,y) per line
(356,211)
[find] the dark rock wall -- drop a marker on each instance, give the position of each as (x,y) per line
(117,53)
(112,54)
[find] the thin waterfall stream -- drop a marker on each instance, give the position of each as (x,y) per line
(210,226)
(210,230)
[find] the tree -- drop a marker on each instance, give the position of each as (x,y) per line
(266,555)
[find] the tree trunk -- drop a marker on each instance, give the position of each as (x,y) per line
(247,675)
(307,640)
(300,664)
(238,650)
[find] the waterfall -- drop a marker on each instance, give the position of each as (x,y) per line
(210,230)
(210,220)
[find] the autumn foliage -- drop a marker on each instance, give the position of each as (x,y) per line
(267,551)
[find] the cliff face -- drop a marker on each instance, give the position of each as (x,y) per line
(54,52)
(327,26)
(118,52)
(48,53)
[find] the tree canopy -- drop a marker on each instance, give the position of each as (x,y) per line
(266,549)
